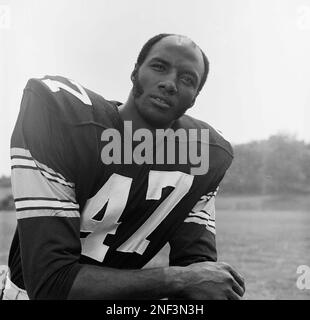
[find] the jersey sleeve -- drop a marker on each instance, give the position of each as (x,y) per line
(195,241)
(43,185)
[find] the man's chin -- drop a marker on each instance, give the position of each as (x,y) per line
(158,124)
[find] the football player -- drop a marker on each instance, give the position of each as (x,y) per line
(86,228)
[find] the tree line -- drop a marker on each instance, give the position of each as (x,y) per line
(278,165)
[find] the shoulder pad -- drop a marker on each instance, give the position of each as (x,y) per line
(215,136)
(66,98)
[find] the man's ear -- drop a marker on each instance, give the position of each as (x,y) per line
(134,73)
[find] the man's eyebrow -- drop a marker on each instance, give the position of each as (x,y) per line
(160,60)
(191,72)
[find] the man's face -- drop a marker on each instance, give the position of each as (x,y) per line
(168,80)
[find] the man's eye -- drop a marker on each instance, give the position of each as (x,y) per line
(158,67)
(188,80)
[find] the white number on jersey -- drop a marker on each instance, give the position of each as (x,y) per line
(115,193)
(55,86)
(157,181)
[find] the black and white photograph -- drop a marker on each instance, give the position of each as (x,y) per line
(155,150)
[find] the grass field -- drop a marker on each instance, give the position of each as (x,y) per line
(266,239)
(7,228)
(266,247)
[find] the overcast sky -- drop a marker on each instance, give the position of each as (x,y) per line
(258,50)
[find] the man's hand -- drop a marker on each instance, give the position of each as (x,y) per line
(211,281)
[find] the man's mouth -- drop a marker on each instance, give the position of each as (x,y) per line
(160,102)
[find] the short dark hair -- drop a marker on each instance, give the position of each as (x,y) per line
(150,43)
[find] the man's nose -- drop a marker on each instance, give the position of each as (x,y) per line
(169,85)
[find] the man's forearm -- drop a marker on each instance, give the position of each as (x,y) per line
(93,282)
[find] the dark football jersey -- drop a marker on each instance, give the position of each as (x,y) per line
(74,208)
